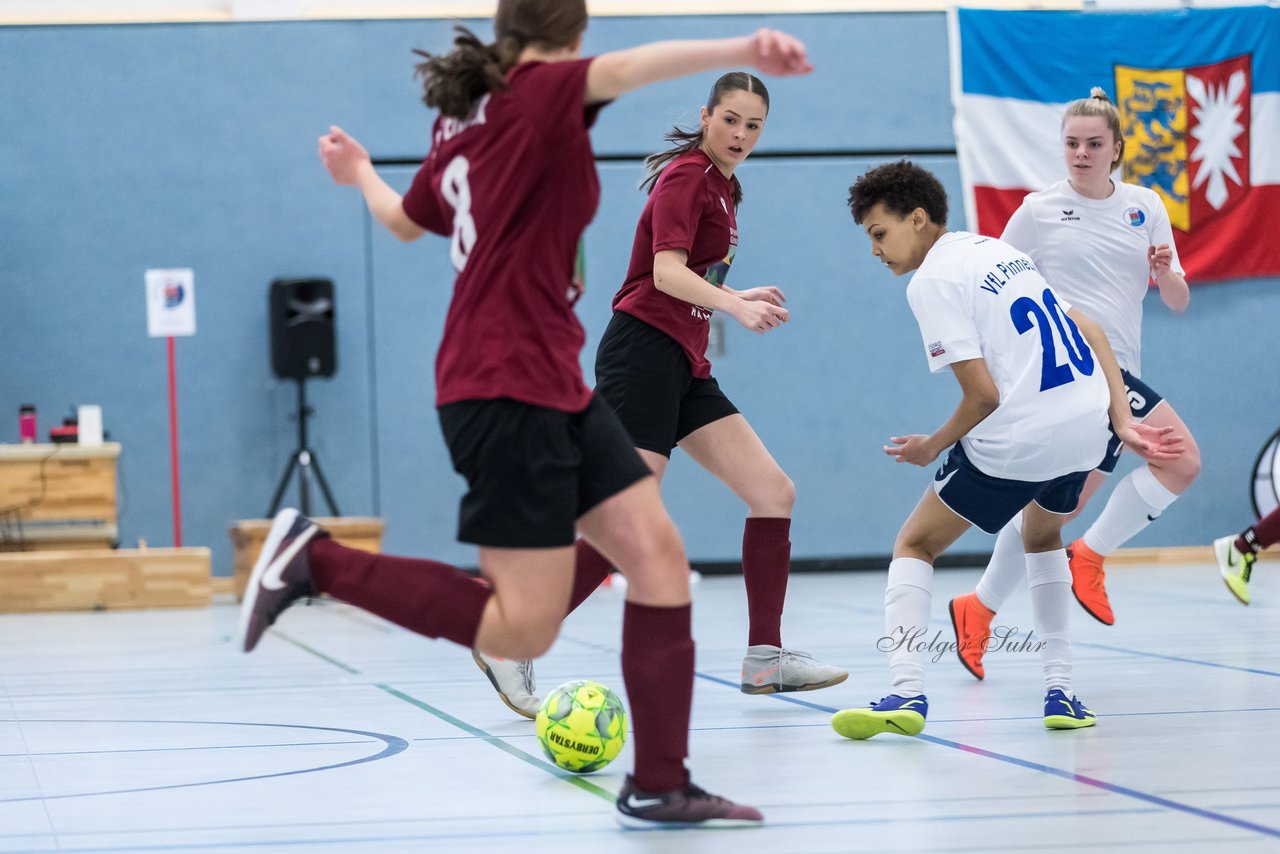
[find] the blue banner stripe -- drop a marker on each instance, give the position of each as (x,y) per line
(1057,56)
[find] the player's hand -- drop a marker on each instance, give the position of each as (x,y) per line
(914,449)
(764,294)
(1151,443)
(775,52)
(342,155)
(759,316)
(1160,259)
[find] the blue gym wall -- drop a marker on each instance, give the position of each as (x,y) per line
(124,148)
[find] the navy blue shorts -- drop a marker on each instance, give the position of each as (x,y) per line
(990,502)
(1142,399)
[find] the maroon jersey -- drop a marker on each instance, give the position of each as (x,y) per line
(513,186)
(690,208)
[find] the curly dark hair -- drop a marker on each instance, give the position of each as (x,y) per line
(901,187)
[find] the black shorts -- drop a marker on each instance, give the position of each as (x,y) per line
(532,471)
(990,502)
(1142,399)
(643,373)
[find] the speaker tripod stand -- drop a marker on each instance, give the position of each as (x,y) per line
(306,463)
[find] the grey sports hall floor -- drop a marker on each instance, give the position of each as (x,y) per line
(147,732)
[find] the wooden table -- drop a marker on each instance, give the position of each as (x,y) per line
(58,497)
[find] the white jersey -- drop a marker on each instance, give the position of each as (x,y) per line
(977,297)
(1094,253)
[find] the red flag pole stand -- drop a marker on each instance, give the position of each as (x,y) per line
(173,449)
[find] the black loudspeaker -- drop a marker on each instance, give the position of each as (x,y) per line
(302,329)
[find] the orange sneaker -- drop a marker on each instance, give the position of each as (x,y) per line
(972,623)
(1088,582)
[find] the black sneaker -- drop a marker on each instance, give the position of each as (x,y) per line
(281,576)
(687,807)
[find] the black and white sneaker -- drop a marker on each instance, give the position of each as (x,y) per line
(281,576)
(686,807)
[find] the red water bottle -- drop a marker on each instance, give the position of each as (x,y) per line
(27,422)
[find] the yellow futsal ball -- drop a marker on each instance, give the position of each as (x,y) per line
(582,726)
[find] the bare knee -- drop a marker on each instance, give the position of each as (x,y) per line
(1035,542)
(659,573)
(909,544)
(1184,470)
(527,640)
(786,493)
(773,497)
(664,546)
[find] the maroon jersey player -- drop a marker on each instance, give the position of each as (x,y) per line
(652,366)
(542,457)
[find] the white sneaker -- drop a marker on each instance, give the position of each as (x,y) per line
(773,670)
(513,680)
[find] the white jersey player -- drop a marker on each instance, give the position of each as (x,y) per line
(1038,378)
(1100,244)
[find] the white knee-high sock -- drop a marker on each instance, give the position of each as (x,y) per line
(908,599)
(1135,503)
(1007,568)
(1049,578)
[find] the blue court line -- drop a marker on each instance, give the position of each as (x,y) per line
(1109,787)
(1020,635)
(1013,760)
(177,749)
(1049,769)
(785,698)
(391,746)
(527,832)
(1178,658)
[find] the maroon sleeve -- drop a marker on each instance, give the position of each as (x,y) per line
(556,97)
(422,205)
(678,203)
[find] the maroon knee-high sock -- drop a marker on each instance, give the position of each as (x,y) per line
(590,569)
(657,666)
(430,598)
(1261,534)
(766,563)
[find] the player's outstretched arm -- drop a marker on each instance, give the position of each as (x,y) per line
(615,73)
(349,164)
(979,398)
(1151,443)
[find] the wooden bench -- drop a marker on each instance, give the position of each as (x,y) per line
(248,535)
(94,580)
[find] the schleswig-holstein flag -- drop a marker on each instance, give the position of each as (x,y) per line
(1199,97)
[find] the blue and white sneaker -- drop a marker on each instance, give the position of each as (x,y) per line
(894,713)
(280,577)
(1061,712)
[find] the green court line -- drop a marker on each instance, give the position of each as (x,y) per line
(569,777)
(317,653)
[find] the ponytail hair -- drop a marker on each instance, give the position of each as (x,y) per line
(453,82)
(1099,105)
(687,140)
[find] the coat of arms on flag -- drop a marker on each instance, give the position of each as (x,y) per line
(1198,92)
(1177,118)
